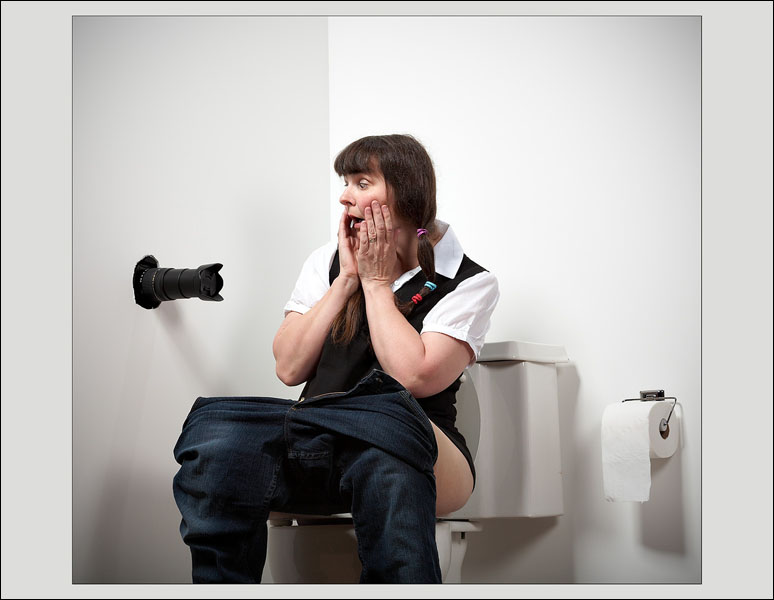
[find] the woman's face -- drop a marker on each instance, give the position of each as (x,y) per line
(360,190)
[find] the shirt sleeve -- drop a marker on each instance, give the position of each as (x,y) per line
(313,281)
(465,314)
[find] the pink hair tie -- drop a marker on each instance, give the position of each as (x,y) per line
(421,232)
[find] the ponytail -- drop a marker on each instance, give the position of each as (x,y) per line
(426,257)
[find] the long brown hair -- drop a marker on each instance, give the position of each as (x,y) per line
(408,171)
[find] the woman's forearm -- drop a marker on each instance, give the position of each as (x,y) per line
(397,345)
(299,341)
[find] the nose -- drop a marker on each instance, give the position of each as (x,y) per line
(346,198)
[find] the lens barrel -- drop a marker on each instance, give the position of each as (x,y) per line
(153,285)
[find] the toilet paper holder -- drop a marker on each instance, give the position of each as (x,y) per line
(651,395)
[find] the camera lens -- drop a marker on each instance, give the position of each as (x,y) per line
(153,285)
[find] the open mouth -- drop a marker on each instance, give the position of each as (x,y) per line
(354,221)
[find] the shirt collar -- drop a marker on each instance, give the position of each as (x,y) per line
(448,252)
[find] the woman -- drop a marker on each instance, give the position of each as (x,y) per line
(380,326)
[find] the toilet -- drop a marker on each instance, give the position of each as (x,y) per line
(507,409)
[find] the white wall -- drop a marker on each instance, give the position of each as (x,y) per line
(567,152)
(196,140)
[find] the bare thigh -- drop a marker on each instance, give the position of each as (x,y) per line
(453,479)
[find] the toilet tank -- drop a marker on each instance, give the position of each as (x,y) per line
(507,409)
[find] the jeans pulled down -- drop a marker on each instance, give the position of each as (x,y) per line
(369,451)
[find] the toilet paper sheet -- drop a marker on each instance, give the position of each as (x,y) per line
(630,438)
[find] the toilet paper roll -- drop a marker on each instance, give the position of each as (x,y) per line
(630,438)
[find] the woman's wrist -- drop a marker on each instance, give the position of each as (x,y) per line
(347,283)
(375,286)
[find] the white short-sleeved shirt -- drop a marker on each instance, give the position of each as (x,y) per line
(464,314)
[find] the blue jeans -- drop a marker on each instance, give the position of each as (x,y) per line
(369,451)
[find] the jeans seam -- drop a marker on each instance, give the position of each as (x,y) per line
(285,430)
(272,486)
(296,454)
(414,406)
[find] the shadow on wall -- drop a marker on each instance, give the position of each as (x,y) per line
(170,317)
(135,536)
(661,518)
(536,550)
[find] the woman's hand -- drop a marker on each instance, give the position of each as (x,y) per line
(349,243)
(377,257)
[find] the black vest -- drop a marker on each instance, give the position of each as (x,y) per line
(341,367)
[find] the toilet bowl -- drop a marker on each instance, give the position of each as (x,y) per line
(507,409)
